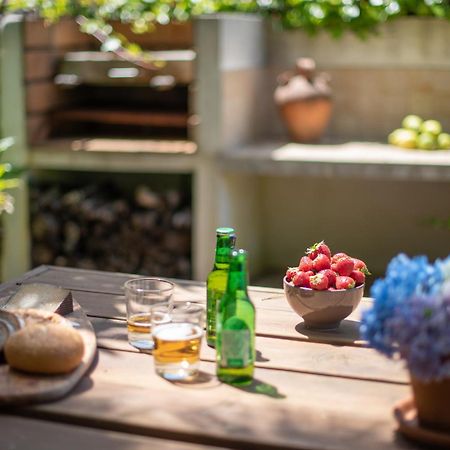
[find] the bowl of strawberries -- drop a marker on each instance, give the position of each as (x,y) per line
(325,288)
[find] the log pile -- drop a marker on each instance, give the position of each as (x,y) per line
(101,228)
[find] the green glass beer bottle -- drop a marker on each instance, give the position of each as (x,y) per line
(216,282)
(235,346)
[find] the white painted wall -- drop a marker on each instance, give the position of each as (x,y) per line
(404,70)
(370,219)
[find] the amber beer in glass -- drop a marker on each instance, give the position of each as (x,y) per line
(177,333)
(216,282)
(141,295)
(235,345)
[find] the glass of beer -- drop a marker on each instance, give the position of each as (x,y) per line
(177,333)
(141,295)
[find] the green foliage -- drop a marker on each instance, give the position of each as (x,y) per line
(6,200)
(334,16)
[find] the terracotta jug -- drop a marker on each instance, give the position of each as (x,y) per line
(304,101)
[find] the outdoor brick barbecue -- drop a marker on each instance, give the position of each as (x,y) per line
(79,94)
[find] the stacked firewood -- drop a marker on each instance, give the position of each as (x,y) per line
(99,227)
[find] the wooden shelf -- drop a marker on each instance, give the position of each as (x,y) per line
(111,155)
(351,159)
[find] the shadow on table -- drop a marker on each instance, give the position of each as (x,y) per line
(347,333)
(86,383)
(260,357)
(259,387)
(203,380)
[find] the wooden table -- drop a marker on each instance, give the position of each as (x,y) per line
(311,390)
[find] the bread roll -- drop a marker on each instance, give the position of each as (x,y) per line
(47,349)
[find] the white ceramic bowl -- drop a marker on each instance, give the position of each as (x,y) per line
(322,309)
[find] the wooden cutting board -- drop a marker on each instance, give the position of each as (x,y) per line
(20,388)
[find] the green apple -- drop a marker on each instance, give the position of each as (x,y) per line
(431,126)
(412,122)
(443,141)
(403,138)
(426,141)
(394,136)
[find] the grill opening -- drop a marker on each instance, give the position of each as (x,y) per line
(116,111)
(75,90)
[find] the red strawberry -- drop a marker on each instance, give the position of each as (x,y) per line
(343,266)
(337,256)
(319,248)
(290,273)
(319,282)
(301,279)
(321,262)
(345,282)
(361,266)
(358,276)
(331,277)
(305,264)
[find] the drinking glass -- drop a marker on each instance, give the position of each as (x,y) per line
(141,295)
(177,333)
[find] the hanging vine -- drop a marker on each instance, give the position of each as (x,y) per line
(334,16)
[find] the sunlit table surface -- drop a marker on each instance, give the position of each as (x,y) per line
(312,390)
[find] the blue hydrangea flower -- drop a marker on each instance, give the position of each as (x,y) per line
(410,316)
(422,333)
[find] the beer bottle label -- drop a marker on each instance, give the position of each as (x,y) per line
(235,348)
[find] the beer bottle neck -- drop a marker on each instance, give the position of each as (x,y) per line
(238,275)
(224,246)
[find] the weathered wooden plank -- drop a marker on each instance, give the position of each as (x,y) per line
(20,433)
(101,294)
(287,324)
(112,283)
(269,322)
(93,280)
(273,353)
(280,410)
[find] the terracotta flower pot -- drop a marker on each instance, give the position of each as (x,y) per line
(433,403)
